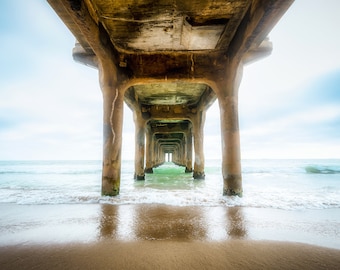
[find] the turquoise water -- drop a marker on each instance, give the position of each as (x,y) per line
(281,184)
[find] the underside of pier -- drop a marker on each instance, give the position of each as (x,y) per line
(169,60)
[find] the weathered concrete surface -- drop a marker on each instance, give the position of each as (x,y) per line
(169,60)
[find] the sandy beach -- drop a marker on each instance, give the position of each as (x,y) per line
(103,236)
(235,254)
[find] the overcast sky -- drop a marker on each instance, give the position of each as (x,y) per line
(51,107)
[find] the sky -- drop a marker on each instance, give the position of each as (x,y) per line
(51,106)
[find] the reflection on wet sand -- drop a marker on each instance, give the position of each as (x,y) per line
(237,225)
(108,221)
(161,222)
(164,223)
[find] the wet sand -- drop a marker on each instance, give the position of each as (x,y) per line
(234,254)
(101,236)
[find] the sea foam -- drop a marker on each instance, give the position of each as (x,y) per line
(280,184)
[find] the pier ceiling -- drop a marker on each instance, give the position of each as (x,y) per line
(170,38)
(168,25)
(167,126)
(173,93)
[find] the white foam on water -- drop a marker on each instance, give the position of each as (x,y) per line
(280,184)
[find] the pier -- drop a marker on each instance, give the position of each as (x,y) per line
(169,61)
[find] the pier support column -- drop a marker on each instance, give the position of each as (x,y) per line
(156,153)
(139,145)
(198,127)
(113,99)
(231,157)
(188,165)
(148,151)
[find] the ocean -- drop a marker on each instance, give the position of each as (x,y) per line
(281,184)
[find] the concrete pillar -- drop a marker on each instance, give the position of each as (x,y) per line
(139,145)
(188,165)
(231,157)
(156,153)
(161,155)
(149,150)
(182,153)
(198,127)
(113,99)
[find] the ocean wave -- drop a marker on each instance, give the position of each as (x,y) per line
(322,170)
(275,201)
(282,184)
